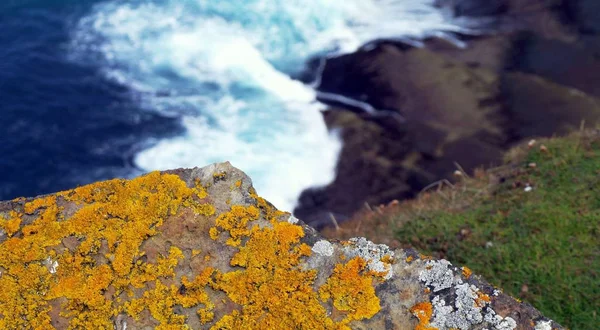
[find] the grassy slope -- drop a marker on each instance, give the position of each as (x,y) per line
(542,246)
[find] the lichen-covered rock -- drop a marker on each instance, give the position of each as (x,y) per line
(199,249)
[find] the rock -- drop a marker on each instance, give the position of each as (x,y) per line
(572,64)
(477,8)
(491,52)
(198,248)
(426,88)
(548,18)
(585,14)
(363,172)
(459,105)
(448,106)
(539,107)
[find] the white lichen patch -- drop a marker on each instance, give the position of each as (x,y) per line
(465,313)
(469,306)
(441,312)
(323,248)
(372,253)
(543,325)
(466,304)
(498,322)
(437,273)
(292,219)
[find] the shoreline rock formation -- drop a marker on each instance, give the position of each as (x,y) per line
(198,248)
(536,75)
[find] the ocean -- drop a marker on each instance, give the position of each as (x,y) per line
(92,90)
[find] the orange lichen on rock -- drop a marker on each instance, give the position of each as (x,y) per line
(102,262)
(387,259)
(271,289)
(482,299)
(195,294)
(219,175)
(235,222)
(274,292)
(466,272)
(161,300)
(423,311)
(12,224)
(351,291)
(114,217)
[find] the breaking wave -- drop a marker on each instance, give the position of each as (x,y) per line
(224,69)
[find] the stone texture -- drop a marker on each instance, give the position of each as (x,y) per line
(198,248)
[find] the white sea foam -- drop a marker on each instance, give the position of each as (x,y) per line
(224,68)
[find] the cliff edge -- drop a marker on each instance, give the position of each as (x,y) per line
(197,248)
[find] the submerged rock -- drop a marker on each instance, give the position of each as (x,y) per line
(197,248)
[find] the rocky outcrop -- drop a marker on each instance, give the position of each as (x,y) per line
(197,248)
(536,75)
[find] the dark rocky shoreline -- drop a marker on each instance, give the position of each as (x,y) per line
(462,107)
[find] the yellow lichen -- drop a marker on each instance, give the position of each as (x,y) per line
(116,216)
(236,223)
(219,175)
(351,291)
(213,233)
(271,289)
(387,259)
(482,299)
(466,272)
(12,224)
(161,300)
(423,311)
(274,292)
(201,209)
(92,266)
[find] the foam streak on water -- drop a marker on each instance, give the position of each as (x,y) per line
(223,67)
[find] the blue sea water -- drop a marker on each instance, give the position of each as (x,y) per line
(91,90)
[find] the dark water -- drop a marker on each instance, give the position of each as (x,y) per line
(62,124)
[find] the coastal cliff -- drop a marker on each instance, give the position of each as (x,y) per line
(535,74)
(198,248)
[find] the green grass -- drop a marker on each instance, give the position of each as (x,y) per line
(542,246)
